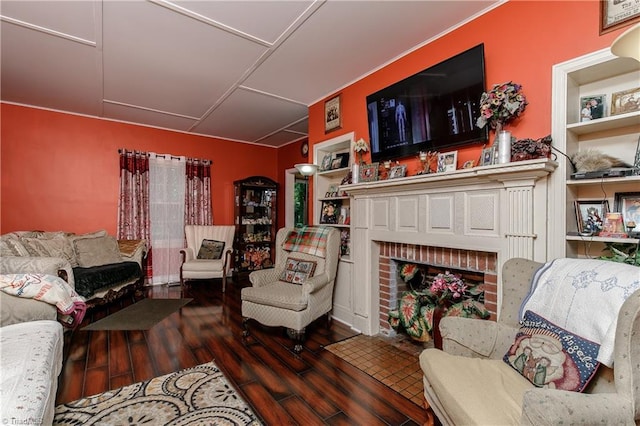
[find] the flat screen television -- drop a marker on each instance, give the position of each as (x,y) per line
(433,110)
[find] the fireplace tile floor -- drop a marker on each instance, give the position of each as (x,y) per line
(391,360)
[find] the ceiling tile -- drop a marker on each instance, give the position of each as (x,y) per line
(151,118)
(249,116)
(162,60)
(301,127)
(266,20)
(76,18)
(281,138)
(47,71)
(333,33)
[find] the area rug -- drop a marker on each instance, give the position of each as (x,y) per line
(198,395)
(393,362)
(141,315)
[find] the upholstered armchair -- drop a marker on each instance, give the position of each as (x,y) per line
(468,382)
(208,253)
(299,289)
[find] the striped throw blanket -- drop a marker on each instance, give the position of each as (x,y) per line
(49,289)
(308,239)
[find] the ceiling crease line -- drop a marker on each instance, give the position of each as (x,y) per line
(48,31)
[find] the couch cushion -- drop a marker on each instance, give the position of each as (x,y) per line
(90,280)
(58,246)
(10,246)
(461,384)
(551,357)
(296,271)
(96,251)
(30,370)
(210,249)
(279,294)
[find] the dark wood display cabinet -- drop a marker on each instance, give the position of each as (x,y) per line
(255,221)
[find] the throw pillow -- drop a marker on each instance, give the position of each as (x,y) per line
(12,247)
(57,246)
(296,271)
(96,251)
(211,249)
(552,357)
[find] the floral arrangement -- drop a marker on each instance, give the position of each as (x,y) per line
(360,147)
(447,291)
(448,288)
(503,103)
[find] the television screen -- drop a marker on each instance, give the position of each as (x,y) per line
(433,110)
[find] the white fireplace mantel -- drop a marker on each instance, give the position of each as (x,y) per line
(489,208)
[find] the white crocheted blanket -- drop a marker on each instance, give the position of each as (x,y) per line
(583,296)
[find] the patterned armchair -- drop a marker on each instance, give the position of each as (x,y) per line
(467,382)
(299,289)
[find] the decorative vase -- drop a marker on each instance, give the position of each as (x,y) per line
(355,173)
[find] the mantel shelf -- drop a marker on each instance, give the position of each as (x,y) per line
(530,169)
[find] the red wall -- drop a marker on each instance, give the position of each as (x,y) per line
(522,41)
(60,171)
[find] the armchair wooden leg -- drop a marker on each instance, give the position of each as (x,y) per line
(245,327)
(298,337)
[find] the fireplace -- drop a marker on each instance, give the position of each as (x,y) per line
(391,286)
(471,219)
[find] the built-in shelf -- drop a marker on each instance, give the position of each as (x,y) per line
(605,123)
(602,239)
(604,181)
(333,172)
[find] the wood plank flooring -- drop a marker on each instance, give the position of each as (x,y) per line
(314,388)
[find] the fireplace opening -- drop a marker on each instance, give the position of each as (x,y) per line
(476,266)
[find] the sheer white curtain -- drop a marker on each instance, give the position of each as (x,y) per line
(167,180)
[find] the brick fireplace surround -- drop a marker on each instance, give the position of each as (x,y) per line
(391,287)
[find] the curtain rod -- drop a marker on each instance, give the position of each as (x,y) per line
(121,151)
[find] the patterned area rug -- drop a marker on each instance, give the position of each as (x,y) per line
(198,395)
(392,361)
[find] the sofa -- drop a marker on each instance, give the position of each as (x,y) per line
(473,378)
(99,267)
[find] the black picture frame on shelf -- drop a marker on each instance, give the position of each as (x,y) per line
(344,159)
(330,212)
(590,215)
(628,203)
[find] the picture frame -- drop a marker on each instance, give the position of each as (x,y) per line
(335,163)
(369,172)
(344,159)
(447,161)
(329,212)
(488,156)
(326,162)
(398,171)
(628,203)
(592,107)
(625,101)
(616,14)
(332,114)
(613,226)
(590,215)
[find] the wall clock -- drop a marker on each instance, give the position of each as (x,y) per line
(304,148)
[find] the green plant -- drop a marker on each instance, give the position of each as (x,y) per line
(622,253)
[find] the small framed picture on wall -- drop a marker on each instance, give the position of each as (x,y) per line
(616,14)
(332,114)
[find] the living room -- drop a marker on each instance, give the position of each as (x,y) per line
(59,170)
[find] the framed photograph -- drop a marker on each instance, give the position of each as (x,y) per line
(447,161)
(625,101)
(592,107)
(628,203)
(615,14)
(489,156)
(336,163)
(613,226)
(398,171)
(326,162)
(332,114)
(330,212)
(369,172)
(344,159)
(590,215)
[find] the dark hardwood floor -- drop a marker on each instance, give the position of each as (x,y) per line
(315,387)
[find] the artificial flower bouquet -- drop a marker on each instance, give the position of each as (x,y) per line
(446,291)
(360,147)
(502,104)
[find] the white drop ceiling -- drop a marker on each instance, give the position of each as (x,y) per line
(240,70)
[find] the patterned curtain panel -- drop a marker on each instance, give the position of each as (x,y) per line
(133,201)
(198,193)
